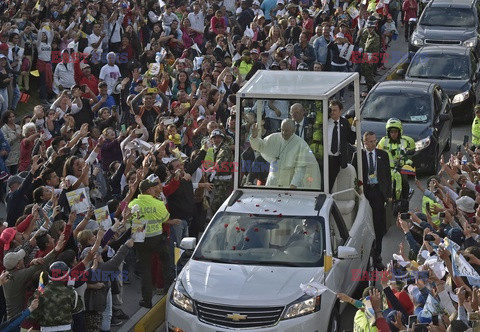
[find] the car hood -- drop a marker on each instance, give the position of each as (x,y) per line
(416,131)
(234,284)
(451,87)
(446,33)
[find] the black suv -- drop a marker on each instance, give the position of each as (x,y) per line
(448,22)
(455,69)
(424,110)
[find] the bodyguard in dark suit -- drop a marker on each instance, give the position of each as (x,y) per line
(303,125)
(377,186)
(340,136)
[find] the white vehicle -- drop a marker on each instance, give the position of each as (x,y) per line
(265,241)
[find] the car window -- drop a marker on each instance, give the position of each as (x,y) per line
(448,17)
(473,62)
(406,106)
(437,98)
(439,66)
(338,230)
(235,238)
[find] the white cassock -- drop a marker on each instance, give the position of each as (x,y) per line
(291,162)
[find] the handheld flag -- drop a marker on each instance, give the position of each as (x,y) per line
(327,263)
(177,254)
(35,73)
(41,285)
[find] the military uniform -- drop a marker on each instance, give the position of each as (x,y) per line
(223,179)
(56,306)
(371,45)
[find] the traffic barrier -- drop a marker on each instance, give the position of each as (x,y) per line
(153,318)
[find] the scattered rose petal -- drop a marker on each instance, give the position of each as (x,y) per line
(234,248)
(274,211)
(256,229)
(250,215)
(279,200)
(225,225)
(243,229)
(247,239)
(266,210)
(257,205)
(237,229)
(280,215)
(305,233)
(239,200)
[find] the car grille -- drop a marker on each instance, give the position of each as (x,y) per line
(443,42)
(238,317)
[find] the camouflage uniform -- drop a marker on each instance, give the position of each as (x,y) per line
(56,305)
(223,180)
(370,44)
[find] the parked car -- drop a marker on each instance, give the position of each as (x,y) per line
(448,22)
(455,69)
(425,111)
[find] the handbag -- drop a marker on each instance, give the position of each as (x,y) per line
(96,299)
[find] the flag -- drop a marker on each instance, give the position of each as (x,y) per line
(314,288)
(35,73)
(41,285)
(432,306)
(37,5)
(327,263)
(177,254)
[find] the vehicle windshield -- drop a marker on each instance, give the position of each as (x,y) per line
(448,17)
(281,157)
(235,238)
(439,66)
(407,107)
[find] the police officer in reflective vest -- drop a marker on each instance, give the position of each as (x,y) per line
(476,128)
(154,213)
(398,147)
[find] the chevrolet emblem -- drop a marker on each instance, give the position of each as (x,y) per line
(236,317)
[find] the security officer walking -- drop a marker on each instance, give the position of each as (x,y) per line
(154,213)
(370,43)
(222,169)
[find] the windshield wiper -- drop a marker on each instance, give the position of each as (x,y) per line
(420,76)
(270,263)
(371,119)
(214,260)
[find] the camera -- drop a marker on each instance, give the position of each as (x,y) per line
(405,216)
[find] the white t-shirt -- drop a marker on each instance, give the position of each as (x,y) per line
(110,75)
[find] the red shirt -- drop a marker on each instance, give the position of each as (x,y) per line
(26,148)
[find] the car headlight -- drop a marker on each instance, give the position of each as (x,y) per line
(303,306)
(472,42)
(461,97)
(422,144)
(180,298)
(416,40)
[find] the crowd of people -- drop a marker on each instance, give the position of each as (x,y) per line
(135,97)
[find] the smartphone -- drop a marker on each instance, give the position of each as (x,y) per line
(412,319)
(423,327)
(441,215)
(435,320)
(152,90)
(405,216)
(465,140)
(123,128)
(459,148)
(429,237)
(83,87)
(427,207)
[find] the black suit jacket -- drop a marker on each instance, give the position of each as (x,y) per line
(347,137)
(384,175)
(306,129)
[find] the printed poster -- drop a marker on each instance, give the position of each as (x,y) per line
(78,200)
(102,215)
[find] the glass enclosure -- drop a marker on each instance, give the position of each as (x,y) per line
(287,152)
(263,240)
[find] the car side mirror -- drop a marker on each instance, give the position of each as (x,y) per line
(444,117)
(347,252)
(188,243)
(400,72)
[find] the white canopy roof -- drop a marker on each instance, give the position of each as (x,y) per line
(295,84)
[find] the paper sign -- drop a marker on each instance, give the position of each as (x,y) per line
(78,200)
(102,215)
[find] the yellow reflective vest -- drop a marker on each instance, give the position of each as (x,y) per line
(153,211)
(476,131)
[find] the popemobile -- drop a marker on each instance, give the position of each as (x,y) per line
(281,246)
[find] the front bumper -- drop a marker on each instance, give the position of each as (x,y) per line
(464,110)
(178,320)
(423,160)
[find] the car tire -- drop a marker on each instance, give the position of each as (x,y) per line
(448,146)
(334,324)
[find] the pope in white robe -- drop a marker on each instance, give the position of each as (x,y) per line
(292,163)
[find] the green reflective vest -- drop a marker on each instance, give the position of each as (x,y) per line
(476,131)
